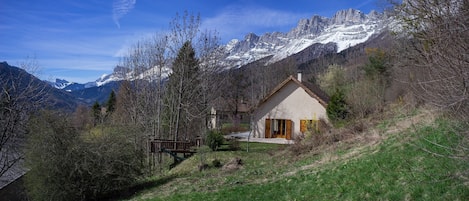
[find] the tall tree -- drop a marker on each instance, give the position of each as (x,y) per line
(184,92)
(210,54)
(337,108)
(111,103)
(185,37)
(378,70)
(96,112)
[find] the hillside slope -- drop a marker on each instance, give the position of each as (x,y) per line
(396,159)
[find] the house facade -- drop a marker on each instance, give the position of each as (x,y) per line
(289,110)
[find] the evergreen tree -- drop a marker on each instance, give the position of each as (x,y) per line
(377,69)
(337,107)
(96,112)
(377,66)
(111,102)
(183,97)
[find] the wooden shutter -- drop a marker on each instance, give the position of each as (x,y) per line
(289,129)
(303,126)
(267,128)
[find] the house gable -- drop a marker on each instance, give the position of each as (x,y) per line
(309,88)
(290,100)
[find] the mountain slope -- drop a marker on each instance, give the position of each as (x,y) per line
(33,89)
(97,93)
(400,157)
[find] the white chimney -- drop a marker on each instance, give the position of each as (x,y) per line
(299,76)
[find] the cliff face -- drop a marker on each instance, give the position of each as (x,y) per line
(315,25)
(349,16)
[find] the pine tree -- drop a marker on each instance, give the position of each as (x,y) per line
(111,102)
(183,111)
(337,107)
(96,112)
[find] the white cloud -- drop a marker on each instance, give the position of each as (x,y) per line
(121,8)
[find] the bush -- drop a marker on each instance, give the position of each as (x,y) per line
(214,139)
(65,165)
(365,97)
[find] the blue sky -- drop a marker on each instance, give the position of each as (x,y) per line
(79,40)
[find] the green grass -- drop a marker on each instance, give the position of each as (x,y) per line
(408,166)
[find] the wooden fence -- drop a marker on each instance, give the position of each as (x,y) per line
(158,145)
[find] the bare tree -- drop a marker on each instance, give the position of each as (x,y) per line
(210,53)
(82,117)
(21,93)
(197,53)
(148,65)
(145,67)
(433,52)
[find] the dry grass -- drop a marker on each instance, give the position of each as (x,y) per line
(355,138)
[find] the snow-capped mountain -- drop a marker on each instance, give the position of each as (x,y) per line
(346,28)
(122,73)
(70,86)
(60,83)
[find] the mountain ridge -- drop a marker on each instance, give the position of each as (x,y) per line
(311,38)
(346,29)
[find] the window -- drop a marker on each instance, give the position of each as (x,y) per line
(278,128)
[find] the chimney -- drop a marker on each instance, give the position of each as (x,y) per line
(299,76)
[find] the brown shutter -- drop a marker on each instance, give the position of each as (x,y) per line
(303,126)
(289,129)
(267,128)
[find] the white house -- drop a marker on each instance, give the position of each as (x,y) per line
(286,111)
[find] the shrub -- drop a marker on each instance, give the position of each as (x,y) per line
(365,98)
(65,165)
(214,139)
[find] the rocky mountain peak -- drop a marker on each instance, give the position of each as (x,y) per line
(374,15)
(314,25)
(346,29)
(349,16)
(251,38)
